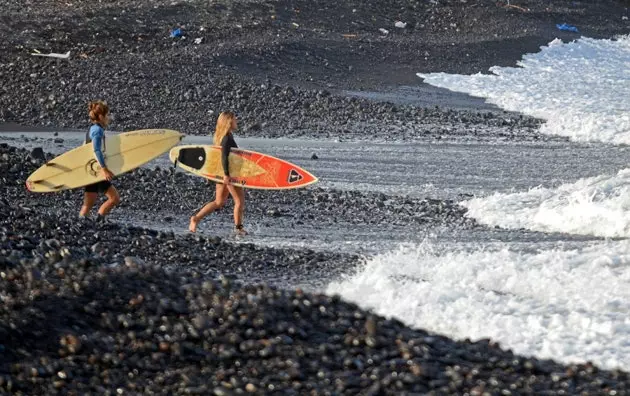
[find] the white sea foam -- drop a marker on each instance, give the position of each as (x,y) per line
(571,306)
(581,88)
(597,206)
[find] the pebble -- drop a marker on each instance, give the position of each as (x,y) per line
(38,154)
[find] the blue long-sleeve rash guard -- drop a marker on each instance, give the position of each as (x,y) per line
(97,136)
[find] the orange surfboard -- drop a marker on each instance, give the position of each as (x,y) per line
(248,169)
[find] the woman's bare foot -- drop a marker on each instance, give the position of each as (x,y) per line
(192,227)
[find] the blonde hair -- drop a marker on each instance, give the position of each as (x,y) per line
(98,110)
(224,125)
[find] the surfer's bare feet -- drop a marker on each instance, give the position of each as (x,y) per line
(192,227)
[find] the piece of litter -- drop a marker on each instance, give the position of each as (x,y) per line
(515,6)
(53,55)
(567,27)
(624,18)
(400,24)
(349,35)
(384,31)
(176,33)
(296,25)
(198,40)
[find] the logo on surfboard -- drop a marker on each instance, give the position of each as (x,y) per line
(92,167)
(294,176)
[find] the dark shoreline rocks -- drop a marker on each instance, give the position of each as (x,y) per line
(76,326)
(109,309)
(280,65)
(29,219)
(33,224)
(178,195)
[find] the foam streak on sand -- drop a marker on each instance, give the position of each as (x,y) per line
(582,89)
(570,305)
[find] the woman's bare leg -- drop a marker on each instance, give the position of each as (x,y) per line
(219,200)
(89,199)
(113,199)
(238,194)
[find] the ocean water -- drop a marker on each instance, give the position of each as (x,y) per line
(569,302)
(580,88)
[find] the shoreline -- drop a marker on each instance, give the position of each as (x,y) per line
(81,300)
(129,307)
(279,65)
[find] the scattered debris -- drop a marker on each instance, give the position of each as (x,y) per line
(508,5)
(400,24)
(175,33)
(349,35)
(384,31)
(296,25)
(198,40)
(52,55)
(567,27)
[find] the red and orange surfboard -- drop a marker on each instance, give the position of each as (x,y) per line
(248,169)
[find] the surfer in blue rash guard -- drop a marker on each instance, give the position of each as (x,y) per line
(223,137)
(99,116)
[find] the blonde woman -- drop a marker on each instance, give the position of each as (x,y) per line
(223,137)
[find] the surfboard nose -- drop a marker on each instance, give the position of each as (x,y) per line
(299,177)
